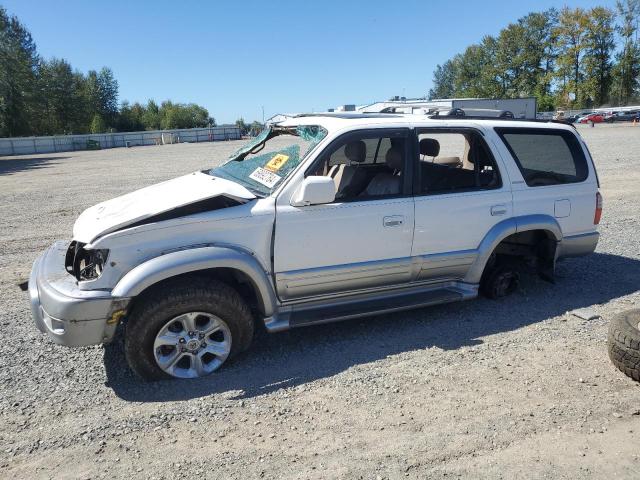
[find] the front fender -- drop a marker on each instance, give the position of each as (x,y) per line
(502,230)
(191,260)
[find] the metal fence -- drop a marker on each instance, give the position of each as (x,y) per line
(66,143)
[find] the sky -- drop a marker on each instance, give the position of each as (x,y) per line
(237,57)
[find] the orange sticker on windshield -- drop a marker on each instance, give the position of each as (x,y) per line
(277,162)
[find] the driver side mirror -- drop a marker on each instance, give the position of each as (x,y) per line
(314,190)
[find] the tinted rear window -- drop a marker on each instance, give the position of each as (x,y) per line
(546,157)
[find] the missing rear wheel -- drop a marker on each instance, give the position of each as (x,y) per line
(500,280)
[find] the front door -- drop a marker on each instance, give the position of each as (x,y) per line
(361,240)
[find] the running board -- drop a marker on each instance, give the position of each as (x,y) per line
(344,309)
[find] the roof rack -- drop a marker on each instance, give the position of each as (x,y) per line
(348,114)
(470,117)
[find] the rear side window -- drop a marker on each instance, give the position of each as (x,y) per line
(545,156)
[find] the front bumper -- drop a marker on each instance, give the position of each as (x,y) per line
(68,315)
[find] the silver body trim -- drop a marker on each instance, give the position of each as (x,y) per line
(317,281)
(445,266)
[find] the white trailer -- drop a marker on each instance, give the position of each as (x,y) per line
(520,107)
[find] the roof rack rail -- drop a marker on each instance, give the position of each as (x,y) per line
(348,114)
(470,117)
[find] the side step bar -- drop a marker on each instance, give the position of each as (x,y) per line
(344,309)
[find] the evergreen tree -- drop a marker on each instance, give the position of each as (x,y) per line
(107,95)
(443,80)
(18,72)
(627,69)
(597,60)
(562,58)
(240,123)
(97,124)
(572,44)
(61,99)
(151,116)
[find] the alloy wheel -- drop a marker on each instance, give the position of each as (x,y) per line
(192,345)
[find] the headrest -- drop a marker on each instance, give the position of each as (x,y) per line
(356,151)
(429,147)
(394,158)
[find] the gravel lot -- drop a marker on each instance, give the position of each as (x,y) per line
(483,389)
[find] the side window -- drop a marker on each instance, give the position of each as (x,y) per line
(373,146)
(546,157)
(455,161)
(365,167)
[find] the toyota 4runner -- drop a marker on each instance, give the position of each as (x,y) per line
(319,218)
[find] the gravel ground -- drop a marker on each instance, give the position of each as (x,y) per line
(482,389)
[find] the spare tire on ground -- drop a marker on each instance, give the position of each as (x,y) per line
(624,342)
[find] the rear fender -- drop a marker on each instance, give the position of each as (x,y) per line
(502,230)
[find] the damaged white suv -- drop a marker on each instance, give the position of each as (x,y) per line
(319,218)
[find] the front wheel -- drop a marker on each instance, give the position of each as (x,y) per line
(186,330)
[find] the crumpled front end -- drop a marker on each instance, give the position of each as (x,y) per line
(68,315)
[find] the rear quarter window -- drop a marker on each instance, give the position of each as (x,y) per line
(545,156)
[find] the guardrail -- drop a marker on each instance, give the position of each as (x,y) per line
(66,143)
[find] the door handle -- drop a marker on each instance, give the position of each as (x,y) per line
(393,221)
(497,210)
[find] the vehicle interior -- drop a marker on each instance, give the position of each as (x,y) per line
(448,161)
(455,161)
(366,168)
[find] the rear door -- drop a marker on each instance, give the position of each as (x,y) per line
(461,194)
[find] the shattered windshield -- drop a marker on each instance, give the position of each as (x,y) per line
(262,164)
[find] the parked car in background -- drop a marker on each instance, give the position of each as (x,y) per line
(592,117)
(582,116)
(627,116)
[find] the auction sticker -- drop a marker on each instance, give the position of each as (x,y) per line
(265,177)
(277,162)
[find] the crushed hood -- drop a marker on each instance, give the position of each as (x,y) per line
(148,202)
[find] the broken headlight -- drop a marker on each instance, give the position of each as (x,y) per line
(85,264)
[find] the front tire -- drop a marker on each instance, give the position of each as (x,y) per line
(186,329)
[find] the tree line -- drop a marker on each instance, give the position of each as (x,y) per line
(568,58)
(47,96)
